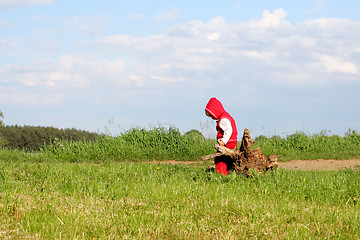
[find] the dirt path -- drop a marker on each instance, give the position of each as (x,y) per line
(318,164)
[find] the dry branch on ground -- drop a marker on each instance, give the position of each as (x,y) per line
(245,157)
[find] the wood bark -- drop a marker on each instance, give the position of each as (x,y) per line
(246,157)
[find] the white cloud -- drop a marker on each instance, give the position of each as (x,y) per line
(167,15)
(262,56)
(214,36)
(66,71)
(30,98)
(44,78)
(332,64)
(5,4)
(137,80)
(201,55)
(325,24)
(270,19)
(268,49)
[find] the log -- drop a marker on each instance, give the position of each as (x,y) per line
(221,150)
(210,156)
(246,157)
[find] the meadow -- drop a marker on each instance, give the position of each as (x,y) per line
(104,190)
(160,143)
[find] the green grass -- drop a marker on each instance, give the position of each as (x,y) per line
(169,144)
(302,146)
(83,190)
(134,145)
(54,200)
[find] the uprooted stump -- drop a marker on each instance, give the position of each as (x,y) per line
(245,157)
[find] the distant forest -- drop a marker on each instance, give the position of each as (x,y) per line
(31,138)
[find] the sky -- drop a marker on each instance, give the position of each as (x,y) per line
(108,66)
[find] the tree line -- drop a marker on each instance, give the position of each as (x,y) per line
(32,138)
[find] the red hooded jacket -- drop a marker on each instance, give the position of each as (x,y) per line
(216,109)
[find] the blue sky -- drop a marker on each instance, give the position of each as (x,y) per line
(277,66)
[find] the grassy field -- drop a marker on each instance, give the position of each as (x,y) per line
(102,190)
(169,144)
(57,200)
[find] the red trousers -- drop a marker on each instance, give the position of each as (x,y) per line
(224,164)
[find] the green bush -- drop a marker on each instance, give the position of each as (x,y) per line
(195,134)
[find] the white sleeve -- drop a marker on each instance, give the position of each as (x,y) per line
(225,125)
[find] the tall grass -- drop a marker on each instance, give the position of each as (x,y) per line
(161,143)
(302,146)
(136,144)
(146,201)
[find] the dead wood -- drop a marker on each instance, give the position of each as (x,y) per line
(245,157)
(214,155)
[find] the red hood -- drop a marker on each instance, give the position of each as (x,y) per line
(215,108)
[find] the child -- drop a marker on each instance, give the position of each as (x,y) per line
(226,133)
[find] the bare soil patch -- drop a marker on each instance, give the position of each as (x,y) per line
(318,164)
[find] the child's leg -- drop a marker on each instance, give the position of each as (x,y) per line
(221,166)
